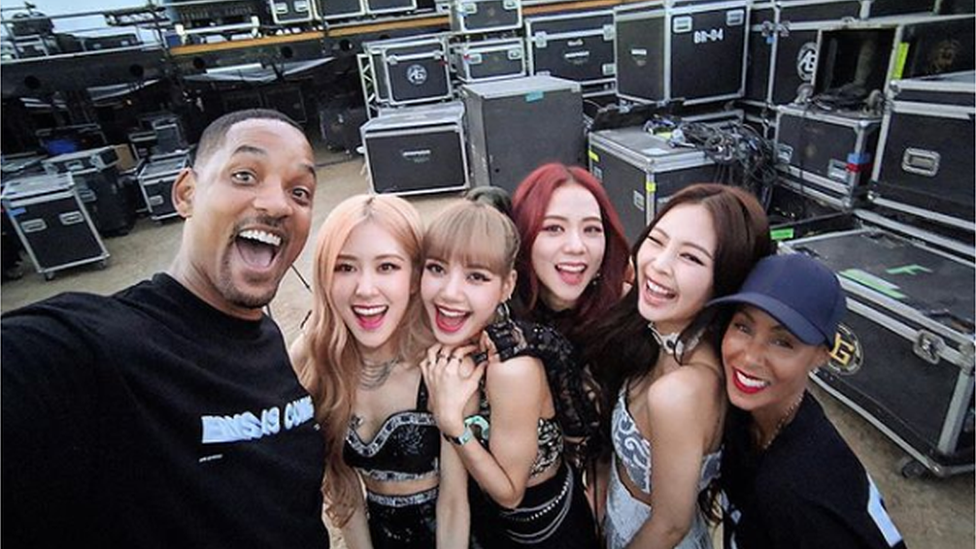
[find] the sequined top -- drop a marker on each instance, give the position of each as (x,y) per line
(633,451)
(406,447)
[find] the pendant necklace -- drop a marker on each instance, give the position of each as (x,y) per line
(790,412)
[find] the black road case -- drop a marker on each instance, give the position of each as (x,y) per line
(882,8)
(489,59)
(859,57)
(903,356)
(52,223)
(640,171)
(481,16)
(516,125)
(96,180)
(156,180)
(390,6)
(410,71)
(338,9)
(290,12)
(575,46)
(687,50)
(831,151)
(287,100)
(417,150)
(783,45)
(926,165)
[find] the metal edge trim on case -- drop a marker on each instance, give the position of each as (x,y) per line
(937,468)
(915,232)
(961,395)
(882,144)
(816,179)
(956,112)
(805,190)
(928,214)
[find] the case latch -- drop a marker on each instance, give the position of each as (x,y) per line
(928,347)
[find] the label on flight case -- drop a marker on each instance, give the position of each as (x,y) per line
(847,355)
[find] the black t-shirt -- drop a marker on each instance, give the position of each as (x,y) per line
(808,490)
(150,419)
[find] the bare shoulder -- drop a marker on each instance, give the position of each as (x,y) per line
(514,371)
(298,350)
(683,392)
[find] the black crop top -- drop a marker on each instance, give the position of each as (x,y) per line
(407,446)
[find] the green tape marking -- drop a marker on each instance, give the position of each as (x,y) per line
(910,270)
(875,283)
(901,56)
(781,234)
(533,96)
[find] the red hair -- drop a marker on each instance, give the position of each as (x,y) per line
(529,205)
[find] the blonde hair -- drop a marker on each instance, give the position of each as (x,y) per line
(331,363)
(473,233)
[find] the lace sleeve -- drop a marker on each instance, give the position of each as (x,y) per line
(571,385)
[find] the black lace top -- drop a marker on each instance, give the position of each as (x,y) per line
(576,410)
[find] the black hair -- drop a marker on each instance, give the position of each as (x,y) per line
(495,197)
(213,135)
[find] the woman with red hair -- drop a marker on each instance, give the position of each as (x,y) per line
(573,265)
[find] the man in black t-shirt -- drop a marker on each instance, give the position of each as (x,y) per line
(168,414)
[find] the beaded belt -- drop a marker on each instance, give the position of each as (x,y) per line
(561,502)
(403,501)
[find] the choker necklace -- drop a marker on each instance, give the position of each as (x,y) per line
(373,375)
(670,343)
(790,412)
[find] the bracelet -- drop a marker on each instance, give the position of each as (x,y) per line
(466,435)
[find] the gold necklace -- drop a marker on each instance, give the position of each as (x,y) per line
(783,421)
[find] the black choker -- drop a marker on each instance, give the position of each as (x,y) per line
(671,343)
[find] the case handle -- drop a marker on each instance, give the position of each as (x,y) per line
(921,162)
(418,156)
(33,226)
(71,218)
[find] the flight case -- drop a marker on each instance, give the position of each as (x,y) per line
(489,59)
(926,165)
(681,50)
(410,71)
(417,150)
(52,223)
(903,356)
(640,171)
(576,46)
(518,124)
(156,180)
(830,151)
(783,45)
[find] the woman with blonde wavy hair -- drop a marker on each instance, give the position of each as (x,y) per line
(358,358)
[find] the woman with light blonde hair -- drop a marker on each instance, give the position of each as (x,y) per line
(358,358)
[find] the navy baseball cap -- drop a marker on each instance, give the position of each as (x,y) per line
(798,291)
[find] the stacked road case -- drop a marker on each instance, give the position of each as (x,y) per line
(96,180)
(661,48)
(576,46)
(156,180)
(417,150)
(927,163)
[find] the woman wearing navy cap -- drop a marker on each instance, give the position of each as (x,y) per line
(790,480)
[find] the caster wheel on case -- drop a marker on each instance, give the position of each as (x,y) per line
(912,468)
(48,277)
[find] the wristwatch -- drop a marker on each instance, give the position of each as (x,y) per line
(466,435)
